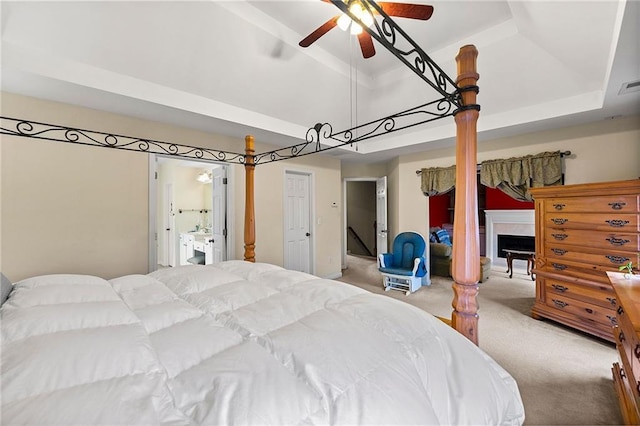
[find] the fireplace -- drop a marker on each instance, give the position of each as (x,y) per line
(512,223)
(515,242)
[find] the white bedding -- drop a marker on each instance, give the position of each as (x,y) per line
(237,343)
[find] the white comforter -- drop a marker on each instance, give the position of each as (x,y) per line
(237,343)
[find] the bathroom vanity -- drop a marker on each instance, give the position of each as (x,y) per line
(196,248)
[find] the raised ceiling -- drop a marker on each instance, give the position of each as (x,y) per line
(235,67)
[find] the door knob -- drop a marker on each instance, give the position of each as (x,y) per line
(307,234)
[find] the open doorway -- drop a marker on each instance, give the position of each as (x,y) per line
(365,218)
(190,212)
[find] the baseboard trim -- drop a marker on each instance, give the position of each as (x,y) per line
(333,276)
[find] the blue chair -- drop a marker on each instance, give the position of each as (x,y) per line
(405,267)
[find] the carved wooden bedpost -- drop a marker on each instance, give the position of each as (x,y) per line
(249,208)
(466,250)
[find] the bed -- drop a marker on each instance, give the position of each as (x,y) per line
(237,343)
(250,343)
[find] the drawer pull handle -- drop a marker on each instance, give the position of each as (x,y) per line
(559,303)
(621,337)
(559,288)
(559,237)
(558,206)
(589,310)
(617,223)
(617,241)
(622,375)
(618,260)
(613,320)
(612,300)
(620,310)
(559,221)
(636,351)
(559,267)
(558,251)
(617,206)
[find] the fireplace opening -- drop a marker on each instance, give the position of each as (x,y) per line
(515,242)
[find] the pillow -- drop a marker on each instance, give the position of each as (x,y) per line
(432,234)
(6,288)
(442,236)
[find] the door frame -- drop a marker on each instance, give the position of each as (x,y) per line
(153,206)
(344,211)
(312,215)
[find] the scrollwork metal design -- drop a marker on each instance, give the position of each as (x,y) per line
(618,260)
(391,36)
(321,137)
(617,241)
(617,223)
(37,130)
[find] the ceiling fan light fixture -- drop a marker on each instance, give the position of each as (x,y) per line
(367,19)
(343,22)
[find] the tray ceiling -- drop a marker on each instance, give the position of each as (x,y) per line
(235,67)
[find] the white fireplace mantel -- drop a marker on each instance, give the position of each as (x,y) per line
(512,222)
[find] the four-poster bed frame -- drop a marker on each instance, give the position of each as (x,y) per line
(459,100)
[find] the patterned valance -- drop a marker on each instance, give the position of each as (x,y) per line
(438,180)
(514,176)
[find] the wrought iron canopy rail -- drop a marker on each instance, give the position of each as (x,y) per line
(319,138)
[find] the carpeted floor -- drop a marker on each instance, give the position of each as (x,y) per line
(564,376)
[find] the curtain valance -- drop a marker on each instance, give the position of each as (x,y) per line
(438,180)
(514,176)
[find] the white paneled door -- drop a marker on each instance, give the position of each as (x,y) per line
(297,222)
(219,219)
(381,215)
(169,216)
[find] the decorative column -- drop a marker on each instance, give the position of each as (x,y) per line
(249,209)
(466,248)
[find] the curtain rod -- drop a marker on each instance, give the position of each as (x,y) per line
(562,154)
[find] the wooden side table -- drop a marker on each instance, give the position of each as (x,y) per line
(529,256)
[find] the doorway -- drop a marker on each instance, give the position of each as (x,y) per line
(189,207)
(365,217)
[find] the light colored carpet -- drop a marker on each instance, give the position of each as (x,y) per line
(564,376)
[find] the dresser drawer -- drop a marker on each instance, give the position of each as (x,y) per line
(629,347)
(598,295)
(581,309)
(616,203)
(595,239)
(609,258)
(626,399)
(593,221)
(570,268)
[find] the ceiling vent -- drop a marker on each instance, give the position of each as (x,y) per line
(629,87)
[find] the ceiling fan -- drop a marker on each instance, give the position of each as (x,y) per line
(402,10)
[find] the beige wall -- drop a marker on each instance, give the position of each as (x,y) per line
(76,209)
(604,151)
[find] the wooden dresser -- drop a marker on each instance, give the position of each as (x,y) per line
(583,231)
(626,373)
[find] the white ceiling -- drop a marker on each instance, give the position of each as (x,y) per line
(235,67)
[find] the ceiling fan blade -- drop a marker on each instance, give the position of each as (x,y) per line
(319,32)
(407,10)
(366,44)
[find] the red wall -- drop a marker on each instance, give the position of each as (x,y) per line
(498,200)
(438,210)
(494,200)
